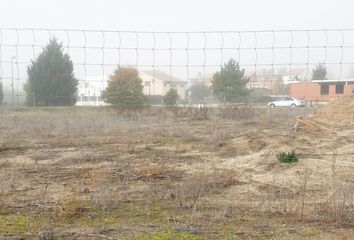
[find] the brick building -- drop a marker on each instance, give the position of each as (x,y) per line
(321,90)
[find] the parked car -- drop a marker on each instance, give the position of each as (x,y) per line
(286,102)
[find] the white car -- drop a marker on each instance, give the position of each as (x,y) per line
(287,102)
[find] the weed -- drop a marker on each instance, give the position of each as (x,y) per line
(289,157)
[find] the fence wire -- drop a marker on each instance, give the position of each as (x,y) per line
(192,171)
(190,57)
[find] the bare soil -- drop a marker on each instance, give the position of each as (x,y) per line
(100,173)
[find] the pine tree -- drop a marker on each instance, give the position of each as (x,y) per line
(51,80)
(125,88)
(319,72)
(229,84)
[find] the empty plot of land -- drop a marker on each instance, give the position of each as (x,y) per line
(93,173)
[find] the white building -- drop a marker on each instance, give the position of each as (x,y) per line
(156,84)
(90,91)
(294,75)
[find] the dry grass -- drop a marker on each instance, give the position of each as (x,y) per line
(87,173)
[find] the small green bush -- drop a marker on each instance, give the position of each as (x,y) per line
(289,157)
(171,97)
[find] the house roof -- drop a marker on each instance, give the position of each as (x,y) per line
(349,81)
(277,72)
(163,76)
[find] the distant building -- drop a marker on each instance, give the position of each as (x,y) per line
(264,79)
(90,91)
(294,75)
(272,80)
(321,90)
(157,84)
(203,78)
(275,80)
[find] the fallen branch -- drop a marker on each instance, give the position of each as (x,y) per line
(313,125)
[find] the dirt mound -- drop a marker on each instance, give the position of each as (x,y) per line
(340,110)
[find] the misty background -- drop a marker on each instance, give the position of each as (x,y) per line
(186,39)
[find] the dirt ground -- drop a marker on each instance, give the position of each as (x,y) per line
(100,173)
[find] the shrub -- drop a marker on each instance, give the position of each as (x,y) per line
(125,88)
(171,97)
(289,157)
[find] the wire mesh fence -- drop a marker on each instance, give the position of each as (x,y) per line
(268,57)
(177,173)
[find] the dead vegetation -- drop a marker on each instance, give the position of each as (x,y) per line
(340,110)
(181,173)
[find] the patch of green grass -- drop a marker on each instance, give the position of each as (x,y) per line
(289,157)
(17,224)
(169,236)
(226,232)
(270,237)
(98,219)
(311,234)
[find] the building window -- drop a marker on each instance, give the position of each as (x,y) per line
(324,89)
(86,84)
(147,83)
(93,99)
(339,88)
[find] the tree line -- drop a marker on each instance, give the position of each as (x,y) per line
(51,82)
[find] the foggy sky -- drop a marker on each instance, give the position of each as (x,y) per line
(177,15)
